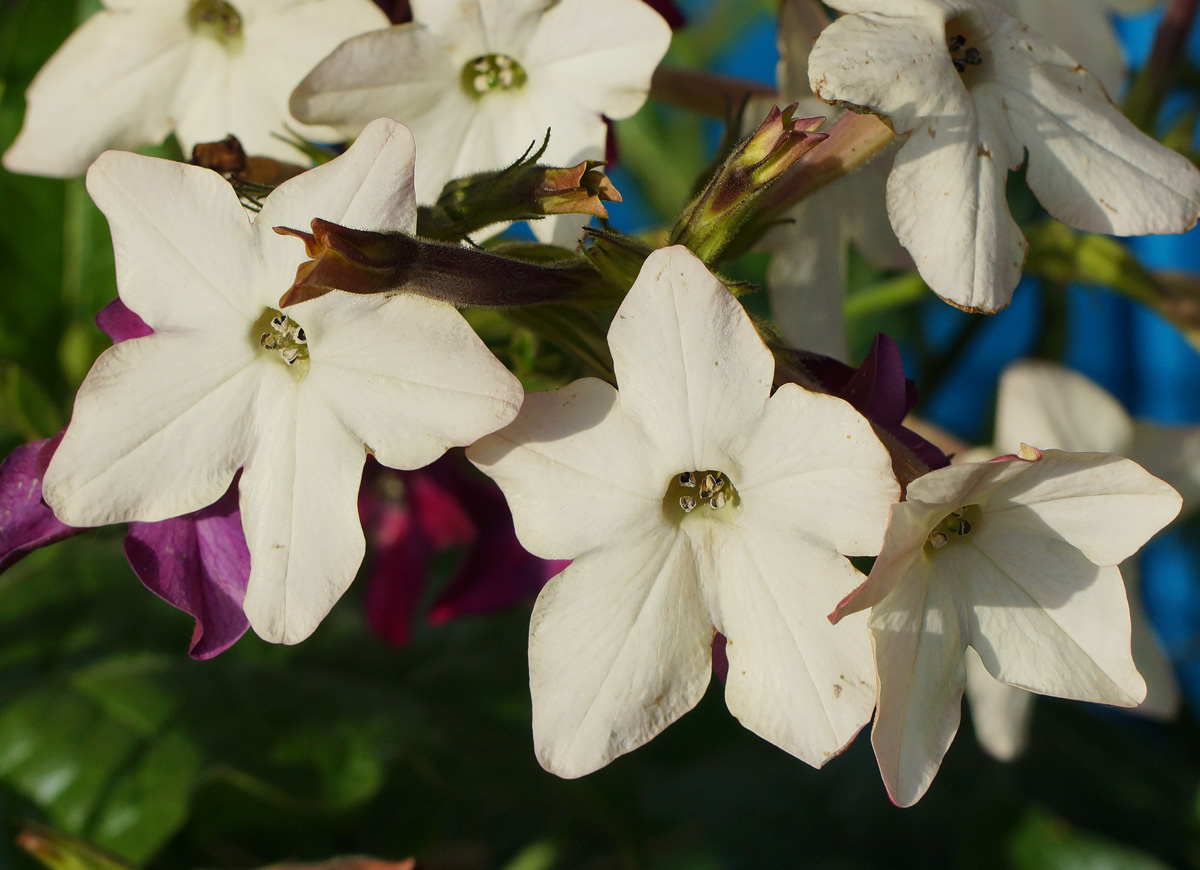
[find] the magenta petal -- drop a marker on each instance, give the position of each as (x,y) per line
(397,581)
(120,324)
(200,564)
(26,522)
(436,509)
(497,572)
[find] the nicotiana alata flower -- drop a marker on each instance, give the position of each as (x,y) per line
(140,69)
(691,500)
(1083,29)
(480,81)
(1017,559)
(976,91)
(294,398)
(1043,403)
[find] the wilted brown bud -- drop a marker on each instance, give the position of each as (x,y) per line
(364,262)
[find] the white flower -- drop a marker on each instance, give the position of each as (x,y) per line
(1017,559)
(138,70)
(691,501)
(295,399)
(806,277)
(479,81)
(1083,30)
(1043,403)
(976,91)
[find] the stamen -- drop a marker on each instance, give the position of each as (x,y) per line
(687,503)
(687,479)
(216,18)
(492,72)
(281,334)
(688,489)
(717,501)
(957,524)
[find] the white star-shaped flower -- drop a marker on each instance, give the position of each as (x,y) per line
(691,500)
(479,81)
(138,70)
(1043,403)
(976,91)
(1017,559)
(294,398)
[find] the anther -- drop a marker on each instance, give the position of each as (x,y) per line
(687,503)
(717,501)
(938,539)
(687,479)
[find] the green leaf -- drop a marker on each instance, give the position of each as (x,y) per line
(1044,842)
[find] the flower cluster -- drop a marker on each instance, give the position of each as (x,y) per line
(679,473)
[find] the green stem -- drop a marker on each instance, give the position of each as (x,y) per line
(886,295)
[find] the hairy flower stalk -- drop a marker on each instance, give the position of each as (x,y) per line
(710,222)
(365,263)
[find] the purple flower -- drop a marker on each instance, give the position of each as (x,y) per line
(410,516)
(197,563)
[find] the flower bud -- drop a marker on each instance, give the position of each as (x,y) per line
(710,222)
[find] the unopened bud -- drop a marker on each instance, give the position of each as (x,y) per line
(710,222)
(525,190)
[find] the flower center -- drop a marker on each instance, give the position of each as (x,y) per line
(708,493)
(216,19)
(277,333)
(965,42)
(958,524)
(490,73)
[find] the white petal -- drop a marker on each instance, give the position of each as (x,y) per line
(919,649)
(908,76)
(405,374)
(1041,616)
(1000,714)
(947,204)
(110,85)
(1173,454)
(299,503)
(1105,506)
(1053,407)
(692,370)
(1082,30)
(1090,167)
(369,187)
(619,648)
(794,679)
(178,267)
(816,464)
(577,474)
(600,53)
(402,72)
(159,428)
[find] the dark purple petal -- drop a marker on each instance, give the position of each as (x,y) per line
(120,324)
(399,571)
(26,522)
(668,10)
(398,11)
(200,564)
(497,572)
(878,389)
